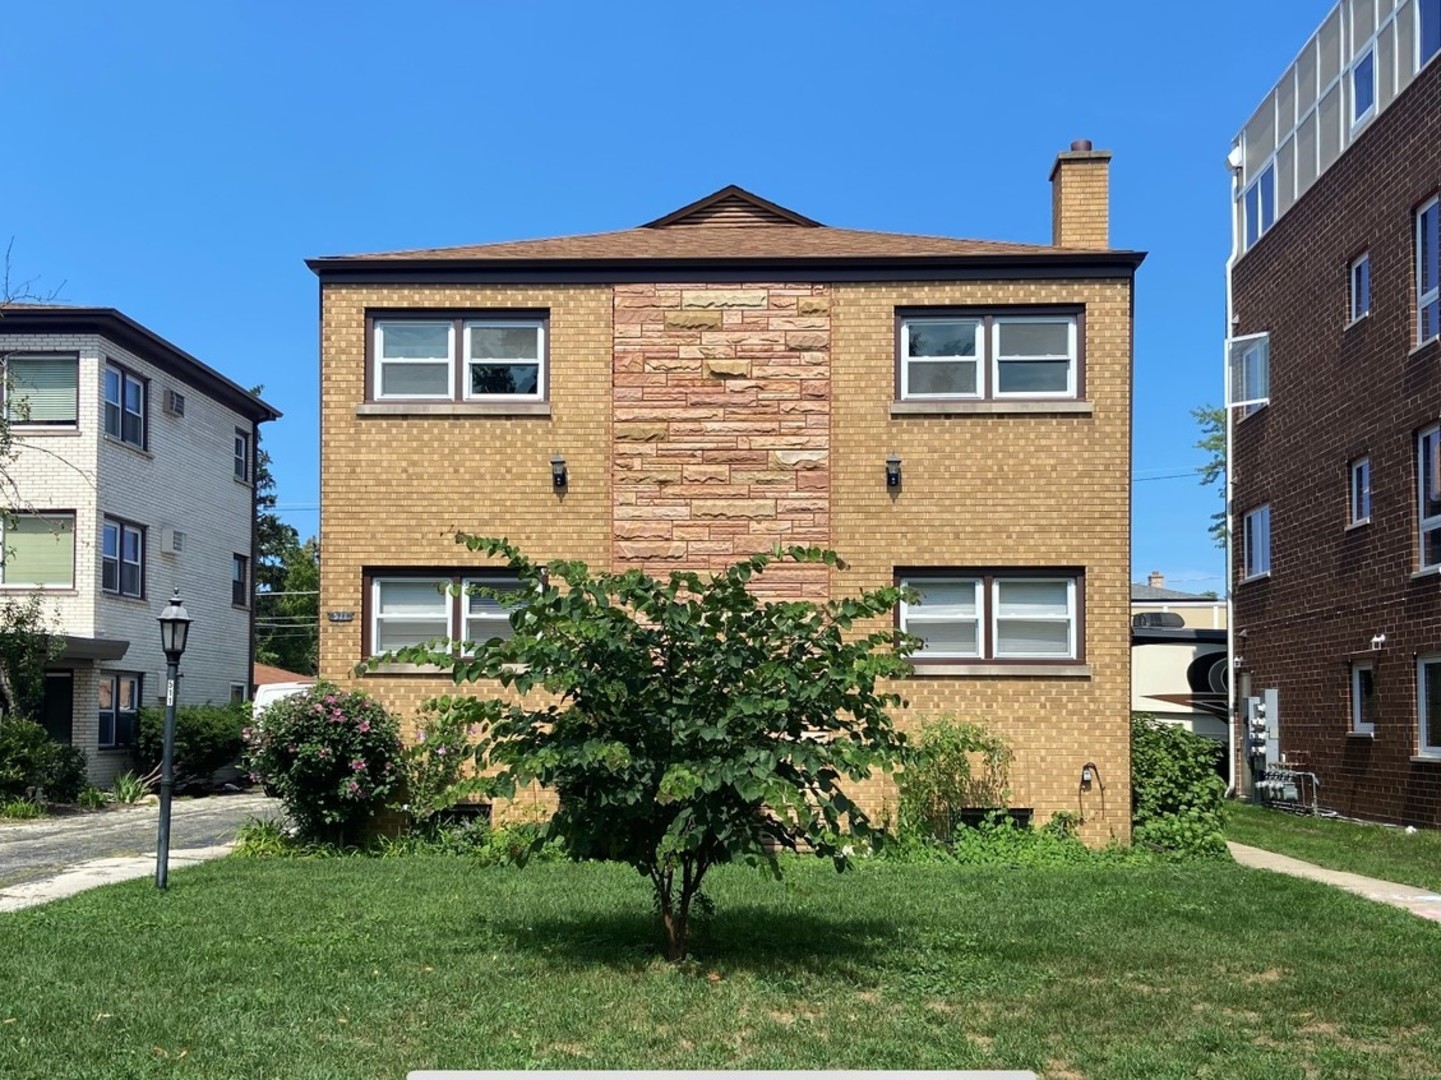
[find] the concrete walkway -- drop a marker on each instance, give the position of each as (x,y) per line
(1420,902)
(51,858)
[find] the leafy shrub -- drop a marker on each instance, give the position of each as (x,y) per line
(34,766)
(433,766)
(91,798)
(1176,793)
(330,755)
(207,738)
(953,766)
(263,838)
(21,809)
(130,788)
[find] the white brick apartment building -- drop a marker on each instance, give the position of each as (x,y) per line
(132,476)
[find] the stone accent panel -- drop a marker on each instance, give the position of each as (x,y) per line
(722,440)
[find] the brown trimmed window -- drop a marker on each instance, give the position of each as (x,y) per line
(240,581)
(965,354)
(413,607)
(994,615)
(480,357)
(119,709)
(125,394)
(42,391)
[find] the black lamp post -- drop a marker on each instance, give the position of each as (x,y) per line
(174,629)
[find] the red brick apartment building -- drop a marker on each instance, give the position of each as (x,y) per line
(1335,390)
(735,374)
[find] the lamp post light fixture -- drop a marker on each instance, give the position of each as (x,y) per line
(558,478)
(174,630)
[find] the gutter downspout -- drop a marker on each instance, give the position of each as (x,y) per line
(1231,673)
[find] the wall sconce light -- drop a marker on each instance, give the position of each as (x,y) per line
(893,471)
(557,471)
(1378,642)
(1088,775)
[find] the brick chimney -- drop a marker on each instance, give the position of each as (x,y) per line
(1081,197)
(1156,580)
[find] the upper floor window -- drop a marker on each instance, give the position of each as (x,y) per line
(989,356)
(1363,88)
(1260,205)
(242,455)
(42,390)
(1360,491)
(38,550)
(122,558)
(1360,278)
(412,609)
(1430,38)
(1250,372)
(1256,543)
(490,359)
(240,581)
(1428,274)
(1000,615)
(124,405)
(1428,482)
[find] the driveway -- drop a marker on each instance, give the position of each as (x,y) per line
(35,850)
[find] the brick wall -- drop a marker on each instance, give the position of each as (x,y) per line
(1340,392)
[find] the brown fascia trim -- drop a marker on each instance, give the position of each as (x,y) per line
(115,326)
(1084,264)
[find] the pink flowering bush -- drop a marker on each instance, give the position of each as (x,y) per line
(434,765)
(331,756)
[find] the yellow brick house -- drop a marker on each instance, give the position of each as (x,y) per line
(954,414)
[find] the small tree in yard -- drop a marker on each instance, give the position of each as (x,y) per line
(692,724)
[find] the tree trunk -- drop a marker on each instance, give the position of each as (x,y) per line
(675,933)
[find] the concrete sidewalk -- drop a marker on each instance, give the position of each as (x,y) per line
(98,872)
(1420,902)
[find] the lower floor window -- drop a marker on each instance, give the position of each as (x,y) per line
(993,615)
(408,610)
(1428,704)
(1363,698)
(119,709)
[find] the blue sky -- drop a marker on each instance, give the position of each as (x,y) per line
(179,161)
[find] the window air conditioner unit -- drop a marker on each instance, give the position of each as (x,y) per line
(172,541)
(174,403)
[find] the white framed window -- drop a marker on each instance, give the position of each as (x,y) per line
(409,611)
(1248,374)
(1363,88)
(1363,698)
(940,358)
(38,551)
(122,559)
(1360,491)
(119,709)
(1256,543)
(1428,496)
(414,359)
(1428,705)
(42,391)
(994,615)
(242,456)
(486,617)
(1428,273)
(1429,39)
(505,359)
(1359,275)
(125,394)
(1260,199)
(997,356)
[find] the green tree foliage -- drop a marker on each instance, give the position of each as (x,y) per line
(27,645)
(35,767)
(207,738)
(1176,792)
(1212,421)
(287,583)
(689,723)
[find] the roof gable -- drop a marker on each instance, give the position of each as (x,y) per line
(731,207)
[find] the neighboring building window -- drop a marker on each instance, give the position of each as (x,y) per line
(1363,88)
(38,550)
(1428,704)
(1360,491)
(412,609)
(242,455)
(42,390)
(1363,698)
(1250,372)
(1428,481)
(1261,205)
(119,708)
(124,405)
(122,559)
(989,356)
(238,692)
(1256,542)
(993,616)
(240,581)
(1428,274)
(1360,275)
(501,359)
(1430,13)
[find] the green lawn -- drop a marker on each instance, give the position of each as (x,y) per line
(369,967)
(1374,850)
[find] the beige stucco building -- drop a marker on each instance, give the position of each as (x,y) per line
(954,414)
